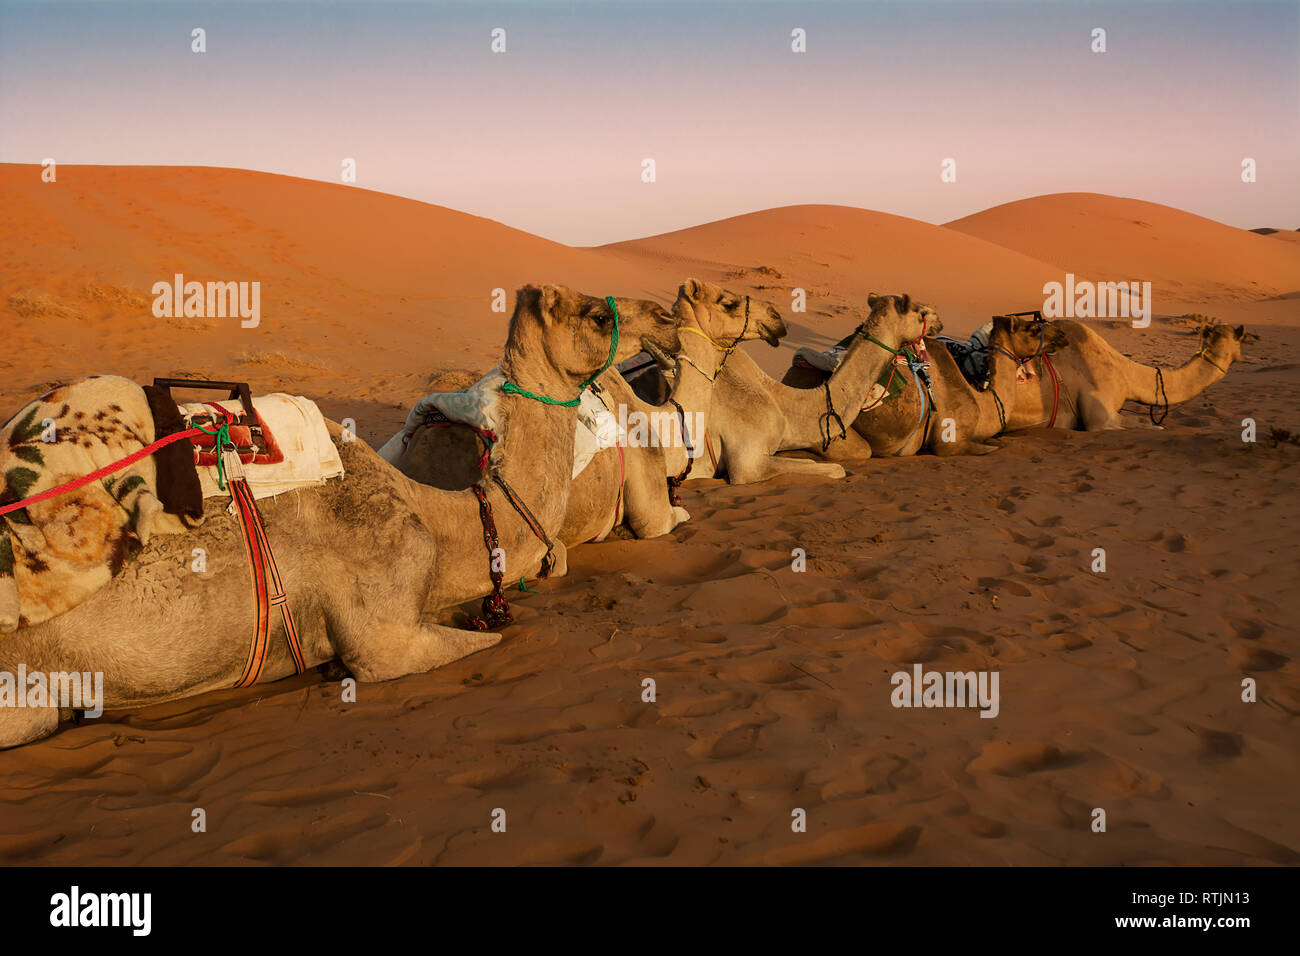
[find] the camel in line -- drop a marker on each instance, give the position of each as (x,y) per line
(364,558)
(754,416)
(628,483)
(715,321)
(1096,380)
(951,417)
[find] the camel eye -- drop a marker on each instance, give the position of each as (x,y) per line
(601,319)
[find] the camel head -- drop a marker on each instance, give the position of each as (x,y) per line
(727,317)
(909,320)
(1222,343)
(1025,337)
(572,332)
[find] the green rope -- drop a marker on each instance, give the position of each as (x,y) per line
(872,338)
(524,587)
(223,438)
(510,388)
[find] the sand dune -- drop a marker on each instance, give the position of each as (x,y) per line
(1191,261)
(1120,691)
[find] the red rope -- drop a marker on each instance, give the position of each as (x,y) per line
(99,473)
(1056,390)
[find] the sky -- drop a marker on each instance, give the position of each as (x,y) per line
(550,136)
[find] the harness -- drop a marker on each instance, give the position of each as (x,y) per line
(726,350)
(496,609)
(268,588)
(1023,363)
(911,353)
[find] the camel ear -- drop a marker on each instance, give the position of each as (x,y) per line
(691,289)
(873,300)
(556,301)
(1238,332)
(905,306)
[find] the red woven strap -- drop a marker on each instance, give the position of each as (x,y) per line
(268,589)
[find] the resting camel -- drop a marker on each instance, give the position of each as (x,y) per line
(1096,380)
(363,558)
(715,322)
(754,417)
(959,418)
(608,491)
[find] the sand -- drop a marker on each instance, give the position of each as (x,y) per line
(1119,691)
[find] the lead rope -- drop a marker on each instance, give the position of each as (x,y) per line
(675,481)
(830,414)
(1161,397)
(496,609)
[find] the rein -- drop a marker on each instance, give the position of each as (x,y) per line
(510,388)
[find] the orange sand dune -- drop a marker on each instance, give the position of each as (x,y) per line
(840,254)
(1191,261)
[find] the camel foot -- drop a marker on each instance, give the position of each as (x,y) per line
(23,725)
(389,650)
(772,467)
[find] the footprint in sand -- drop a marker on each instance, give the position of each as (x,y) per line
(1014,758)
(1247,658)
(870,840)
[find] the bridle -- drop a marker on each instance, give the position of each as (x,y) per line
(1023,362)
(919,372)
(726,350)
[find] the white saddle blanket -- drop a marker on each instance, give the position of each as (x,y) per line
(479,406)
(298,427)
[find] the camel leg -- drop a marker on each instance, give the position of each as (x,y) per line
(853,447)
(385,649)
(646,507)
(1095,416)
(748,472)
(945,449)
(23,725)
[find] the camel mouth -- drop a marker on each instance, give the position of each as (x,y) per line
(772,330)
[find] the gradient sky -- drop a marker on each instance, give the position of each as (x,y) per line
(549,137)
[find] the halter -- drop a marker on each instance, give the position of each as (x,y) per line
(1201,354)
(726,350)
(1039,353)
(510,388)
(919,374)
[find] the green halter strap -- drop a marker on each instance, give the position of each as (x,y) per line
(510,388)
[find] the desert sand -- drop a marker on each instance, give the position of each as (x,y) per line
(1119,691)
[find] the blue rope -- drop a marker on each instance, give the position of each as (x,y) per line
(917,368)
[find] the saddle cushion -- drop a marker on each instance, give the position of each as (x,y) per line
(56,553)
(479,407)
(286,447)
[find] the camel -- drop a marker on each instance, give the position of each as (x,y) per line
(754,417)
(367,559)
(951,417)
(1095,380)
(628,483)
(715,321)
